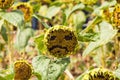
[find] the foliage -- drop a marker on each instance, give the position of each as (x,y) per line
(96,27)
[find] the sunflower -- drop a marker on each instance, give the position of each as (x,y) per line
(4,4)
(60,41)
(89,2)
(26,8)
(116,15)
(23,70)
(99,74)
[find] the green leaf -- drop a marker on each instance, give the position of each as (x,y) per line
(68,12)
(40,43)
(9,76)
(87,37)
(52,11)
(22,38)
(43,23)
(16,18)
(1,23)
(2,78)
(79,20)
(106,34)
(49,69)
(4,33)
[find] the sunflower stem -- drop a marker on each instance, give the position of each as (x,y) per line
(103,56)
(69,74)
(9,43)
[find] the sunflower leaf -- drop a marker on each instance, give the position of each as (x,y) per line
(49,69)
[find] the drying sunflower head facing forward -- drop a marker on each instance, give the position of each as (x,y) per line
(99,74)
(26,8)
(4,4)
(60,41)
(23,70)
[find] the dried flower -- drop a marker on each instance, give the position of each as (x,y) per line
(60,41)
(23,70)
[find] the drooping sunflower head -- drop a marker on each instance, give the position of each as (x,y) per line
(26,8)
(23,70)
(118,1)
(116,15)
(4,4)
(89,2)
(99,74)
(60,41)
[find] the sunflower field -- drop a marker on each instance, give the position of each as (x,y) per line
(59,39)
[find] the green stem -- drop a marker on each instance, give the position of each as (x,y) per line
(9,43)
(93,22)
(103,56)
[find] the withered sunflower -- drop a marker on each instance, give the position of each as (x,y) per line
(99,74)
(26,8)
(4,4)
(60,41)
(23,70)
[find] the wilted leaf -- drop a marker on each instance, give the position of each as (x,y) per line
(106,34)
(52,11)
(16,18)
(79,19)
(43,23)
(49,69)
(68,12)
(40,43)
(4,33)
(22,38)
(87,37)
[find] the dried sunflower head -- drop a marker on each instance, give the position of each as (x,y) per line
(118,1)
(4,4)
(99,74)
(26,8)
(23,70)
(116,15)
(60,41)
(89,2)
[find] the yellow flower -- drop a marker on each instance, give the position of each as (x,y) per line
(99,74)
(26,8)
(60,41)
(89,2)
(23,70)
(116,15)
(5,3)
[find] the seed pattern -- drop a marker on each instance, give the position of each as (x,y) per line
(99,74)
(4,4)
(116,16)
(22,70)
(60,41)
